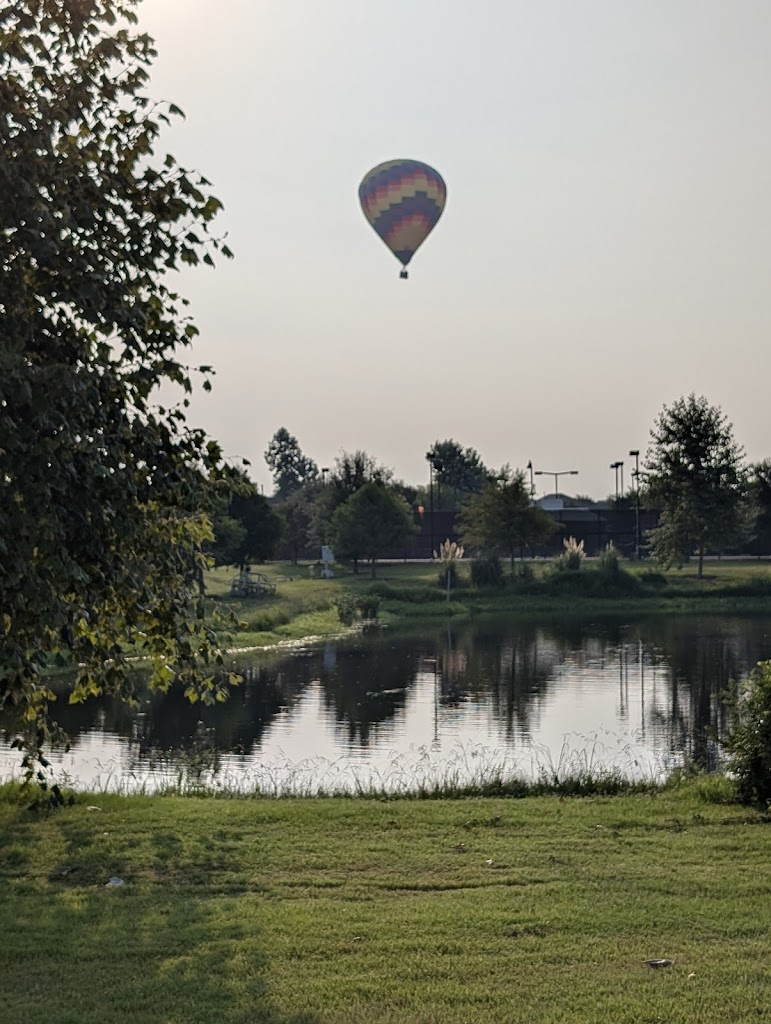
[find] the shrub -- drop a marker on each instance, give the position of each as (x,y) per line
(448,555)
(487,572)
(524,573)
(748,742)
(346,609)
(368,605)
(571,558)
(609,561)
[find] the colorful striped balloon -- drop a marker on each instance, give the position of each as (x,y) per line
(403,200)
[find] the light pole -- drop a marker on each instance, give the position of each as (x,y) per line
(532,485)
(562,472)
(636,474)
(324,471)
(429,456)
(618,465)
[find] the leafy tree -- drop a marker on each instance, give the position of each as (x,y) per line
(460,471)
(290,468)
(350,472)
(229,538)
(103,496)
(297,517)
(257,528)
(501,517)
(371,521)
(354,469)
(760,497)
(458,468)
(695,477)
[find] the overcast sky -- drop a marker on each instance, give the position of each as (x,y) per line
(605,247)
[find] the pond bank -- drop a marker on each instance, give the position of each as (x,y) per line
(409,593)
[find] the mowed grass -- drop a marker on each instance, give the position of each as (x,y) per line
(401,912)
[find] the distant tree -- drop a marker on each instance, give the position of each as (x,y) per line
(354,469)
(502,518)
(457,468)
(297,512)
(371,521)
(760,496)
(262,526)
(350,472)
(290,468)
(246,528)
(695,477)
(229,537)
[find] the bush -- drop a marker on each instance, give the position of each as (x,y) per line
(524,572)
(448,569)
(368,605)
(346,609)
(609,561)
(571,558)
(748,742)
(487,572)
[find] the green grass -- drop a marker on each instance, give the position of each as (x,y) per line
(405,912)
(304,607)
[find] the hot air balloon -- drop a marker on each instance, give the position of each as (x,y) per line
(403,200)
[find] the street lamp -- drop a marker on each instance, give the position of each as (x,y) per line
(430,457)
(636,474)
(324,471)
(532,485)
(562,472)
(619,465)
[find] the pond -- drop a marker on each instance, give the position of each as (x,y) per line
(452,701)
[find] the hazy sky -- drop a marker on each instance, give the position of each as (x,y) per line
(605,247)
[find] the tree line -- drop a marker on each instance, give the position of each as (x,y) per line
(694,475)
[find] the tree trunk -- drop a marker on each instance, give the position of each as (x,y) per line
(373,568)
(355,566)
(701,561)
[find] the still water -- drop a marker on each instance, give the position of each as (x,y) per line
(454,700)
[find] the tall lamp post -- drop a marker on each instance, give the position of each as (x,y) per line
(532,485)
(619,465)
(562,472)
(431,498)
(636,474)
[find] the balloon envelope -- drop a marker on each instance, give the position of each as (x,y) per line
(403,200)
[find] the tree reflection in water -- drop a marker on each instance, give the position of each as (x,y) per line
(669,673)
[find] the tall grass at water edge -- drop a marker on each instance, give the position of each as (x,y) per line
(584,766)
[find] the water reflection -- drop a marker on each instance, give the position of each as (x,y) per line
(501,683)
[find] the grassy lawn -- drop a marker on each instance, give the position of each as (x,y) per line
(405,912)
(303,607)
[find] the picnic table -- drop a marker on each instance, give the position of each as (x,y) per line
(251,584)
